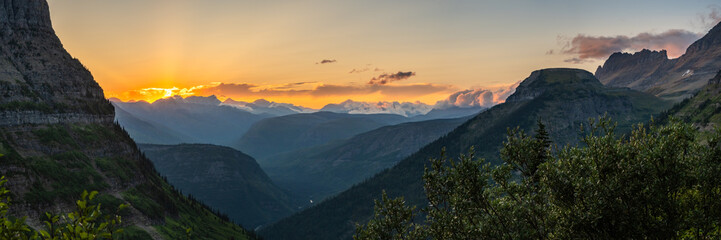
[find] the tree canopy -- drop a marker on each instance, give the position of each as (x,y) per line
(658,182)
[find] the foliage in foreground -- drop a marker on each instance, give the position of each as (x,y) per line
(657,183)
(86,222)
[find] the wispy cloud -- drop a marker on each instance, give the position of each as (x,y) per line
(390,77)
(576,60)
(712,18)
(326,61)
(366,68)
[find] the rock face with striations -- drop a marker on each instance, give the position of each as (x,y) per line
(36,73)
(673,79)
(625,69)
(57,139)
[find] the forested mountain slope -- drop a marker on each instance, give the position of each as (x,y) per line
(563,99)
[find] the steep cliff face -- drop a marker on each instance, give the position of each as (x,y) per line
(654,73)
(625,69)
(36,73)
(57,138)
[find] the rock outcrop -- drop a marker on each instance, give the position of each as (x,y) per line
(625,69)
(654,73)
(716,79)
(36,73)
(541,80)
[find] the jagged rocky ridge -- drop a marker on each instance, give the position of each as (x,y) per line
(653,72)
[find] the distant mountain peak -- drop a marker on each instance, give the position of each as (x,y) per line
(542,80)
(209,100)
(407,109)
(673,79)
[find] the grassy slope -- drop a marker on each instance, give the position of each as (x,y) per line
(703,110)
(50,165)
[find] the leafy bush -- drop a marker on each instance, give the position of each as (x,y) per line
(656,183)
(86,222)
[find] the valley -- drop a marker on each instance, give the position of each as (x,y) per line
(342,148)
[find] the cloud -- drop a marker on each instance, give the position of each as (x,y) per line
(585,47)
(324,61)
(712,18)
(477,97)
(576,60)
(388,78)
(359,70)
(366,68)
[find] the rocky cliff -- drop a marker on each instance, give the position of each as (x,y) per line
(673,79)
(626,69)
(36,73)
(58,139)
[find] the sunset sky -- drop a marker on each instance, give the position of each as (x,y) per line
(373,50)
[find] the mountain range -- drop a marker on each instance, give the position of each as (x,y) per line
(324,170)
(264,107)
(563,99)
(59,136)
(674,79)
(184,120)
(286,133)
(196,119)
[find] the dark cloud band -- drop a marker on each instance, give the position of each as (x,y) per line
(391,77)
(585,47)
(325,61)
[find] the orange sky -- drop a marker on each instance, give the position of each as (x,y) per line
(142,49)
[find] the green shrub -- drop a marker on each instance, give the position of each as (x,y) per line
(86,222)
(656,183)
